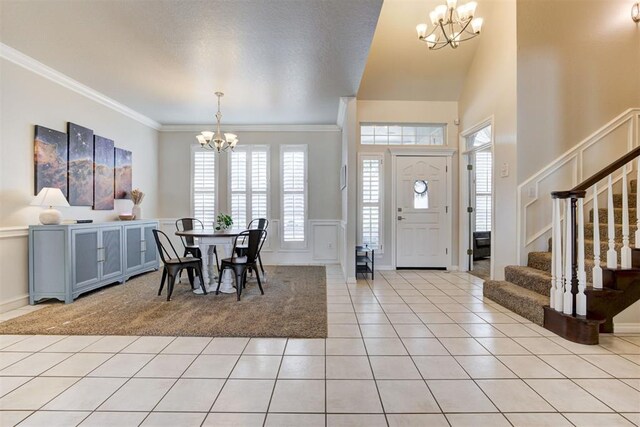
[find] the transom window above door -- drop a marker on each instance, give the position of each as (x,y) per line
(402,134)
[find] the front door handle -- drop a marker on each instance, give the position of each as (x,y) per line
(400,218)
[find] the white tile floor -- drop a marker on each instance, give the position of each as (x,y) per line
(410,348)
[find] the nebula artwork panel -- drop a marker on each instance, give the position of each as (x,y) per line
(80,165)
(51,159)
(123,173)
(103,173)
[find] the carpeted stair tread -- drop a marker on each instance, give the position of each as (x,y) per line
(617,214)
(589,227)
(524,302)
(542,261)
(529,278)
(617,200)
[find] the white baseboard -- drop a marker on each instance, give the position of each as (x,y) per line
(385,267)
(453,268)
(14,303)
(626,328)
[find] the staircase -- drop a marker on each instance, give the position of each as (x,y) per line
(526,289)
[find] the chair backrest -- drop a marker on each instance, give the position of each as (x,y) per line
(256,238)
(185,224)
(259,224)
(163,243)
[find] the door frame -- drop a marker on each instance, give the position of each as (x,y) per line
(465,190)
(446,152)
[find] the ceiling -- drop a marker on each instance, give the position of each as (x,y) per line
(278,61)
(400,67)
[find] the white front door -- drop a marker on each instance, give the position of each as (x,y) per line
(422,235)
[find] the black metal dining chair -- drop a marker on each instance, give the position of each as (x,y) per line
(173,265)
(189,243)
(256,224)
(241,265)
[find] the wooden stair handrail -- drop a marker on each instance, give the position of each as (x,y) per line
(597,177)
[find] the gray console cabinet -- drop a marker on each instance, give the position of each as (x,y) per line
(66,261)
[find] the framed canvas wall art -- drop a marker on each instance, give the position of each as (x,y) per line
(80,165)
(51,159)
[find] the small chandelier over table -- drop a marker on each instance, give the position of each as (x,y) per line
(217,140)
(451,25)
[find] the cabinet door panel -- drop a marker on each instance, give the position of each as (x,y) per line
(85,257)
(151,252)
(112,248)
(134,252)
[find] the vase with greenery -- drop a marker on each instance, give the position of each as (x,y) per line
(223,222)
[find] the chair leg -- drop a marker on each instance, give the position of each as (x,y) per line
(259,284)
(239,283)
(172,281)
(164,277)
(260,261)
(190,274)
(219,281)
(202,285)
(215,252)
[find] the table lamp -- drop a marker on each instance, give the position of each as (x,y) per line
(50,197)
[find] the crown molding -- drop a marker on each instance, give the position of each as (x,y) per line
(37,67)
(253,128)
(342,109)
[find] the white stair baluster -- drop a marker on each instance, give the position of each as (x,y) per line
(637,240)
(568,297)
(612,255)
(597,269)
(625,252)
(581,297)
(557,256)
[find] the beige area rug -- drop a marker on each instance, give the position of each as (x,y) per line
(293,305)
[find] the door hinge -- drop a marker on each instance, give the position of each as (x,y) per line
(469,167)
(446,168)
(446,251)
(446,209)
(469,251)
(470,209)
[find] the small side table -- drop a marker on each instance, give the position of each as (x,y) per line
(365,263)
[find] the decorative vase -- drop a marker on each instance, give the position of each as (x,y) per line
(137,211)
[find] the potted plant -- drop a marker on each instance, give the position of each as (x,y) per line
(223,222)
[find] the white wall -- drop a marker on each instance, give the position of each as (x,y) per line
(324,159)
(28,99)
(489,92)
(409,112)
(578,68)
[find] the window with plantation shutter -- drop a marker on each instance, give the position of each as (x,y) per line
(203,185)
(248,183)
(483,190)
(371,201)
(293,164)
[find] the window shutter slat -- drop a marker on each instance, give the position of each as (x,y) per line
(204,186)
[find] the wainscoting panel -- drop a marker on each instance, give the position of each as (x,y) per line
(14,268)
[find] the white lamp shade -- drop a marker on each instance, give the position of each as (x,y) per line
(207,135)
(50,197)
(421,30)
(230,136)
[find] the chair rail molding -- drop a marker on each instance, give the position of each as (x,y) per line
(615,138)
(322,244)
(16,231)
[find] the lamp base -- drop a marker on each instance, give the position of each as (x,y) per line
(50,217)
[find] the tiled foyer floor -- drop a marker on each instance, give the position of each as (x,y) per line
(408,349)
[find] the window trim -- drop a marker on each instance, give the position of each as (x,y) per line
(381,204)
(444,127)
(216,176)
(249,149)
(285,245)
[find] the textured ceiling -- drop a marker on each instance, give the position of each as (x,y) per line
(278,61)
(400,67)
